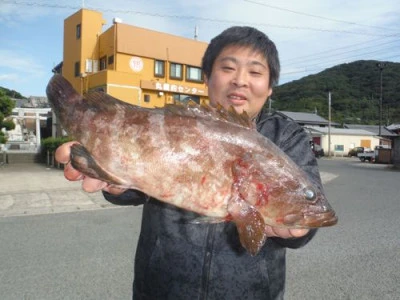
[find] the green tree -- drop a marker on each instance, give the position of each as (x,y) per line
(6,107)
(6,104)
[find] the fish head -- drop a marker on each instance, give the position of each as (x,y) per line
(305,207)
(282,193)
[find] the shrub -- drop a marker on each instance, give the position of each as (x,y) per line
(3,139)
(8,124)
(51,144)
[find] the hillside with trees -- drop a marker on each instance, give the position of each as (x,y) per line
(11,93)
(355,93)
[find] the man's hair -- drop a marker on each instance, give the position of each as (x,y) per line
(246,37)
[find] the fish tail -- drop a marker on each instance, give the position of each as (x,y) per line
(83,161)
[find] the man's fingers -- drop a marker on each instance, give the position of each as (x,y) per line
(284,232)
(63,152)
(298,232)
(92,185)
(72,174)
(114,190)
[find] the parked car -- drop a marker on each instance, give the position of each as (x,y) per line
(355,151)
(367,155)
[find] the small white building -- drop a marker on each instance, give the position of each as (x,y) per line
(343,139)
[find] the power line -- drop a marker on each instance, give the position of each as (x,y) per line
(330,55)
(327,52)
(318,17)
(235,22)
(322,66)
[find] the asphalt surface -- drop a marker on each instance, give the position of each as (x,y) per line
(31,189)
(57,242)
(359,258)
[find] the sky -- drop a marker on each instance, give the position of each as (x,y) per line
(311,35)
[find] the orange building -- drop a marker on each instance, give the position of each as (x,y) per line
(136,65)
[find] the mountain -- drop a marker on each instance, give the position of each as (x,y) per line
(355,93)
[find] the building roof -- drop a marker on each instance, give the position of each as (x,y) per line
(371,128)
(393,127)
(305,118)
(341,131)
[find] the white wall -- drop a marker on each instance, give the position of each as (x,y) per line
(348,142)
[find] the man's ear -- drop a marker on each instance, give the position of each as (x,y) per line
(270,92)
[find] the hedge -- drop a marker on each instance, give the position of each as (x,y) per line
(51,144)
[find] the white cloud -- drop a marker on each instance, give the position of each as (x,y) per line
(21,62)
(306,33)
(8,77)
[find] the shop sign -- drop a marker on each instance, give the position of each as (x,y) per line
(170,87)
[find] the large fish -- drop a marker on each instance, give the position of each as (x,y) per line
(200,158)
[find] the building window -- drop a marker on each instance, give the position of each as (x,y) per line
(78,31)
(175,71)
(111,59)
(77,69)
(146,98)
(159,66)
(103,63)
(194,74)
(182,98)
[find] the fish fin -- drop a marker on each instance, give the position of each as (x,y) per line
(250,225)
(100,101)
(83,161)
(194,110)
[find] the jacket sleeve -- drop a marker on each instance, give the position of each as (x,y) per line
(295,142)
(129,197)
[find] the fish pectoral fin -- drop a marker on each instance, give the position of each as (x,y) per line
(83,161)
(250,225)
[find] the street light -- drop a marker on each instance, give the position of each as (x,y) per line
(380,65)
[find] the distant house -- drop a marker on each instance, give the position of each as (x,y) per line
(386,135)
(343,139)
(305,119)
(394,128)
(308,120)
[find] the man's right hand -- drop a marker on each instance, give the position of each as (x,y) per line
(89,184)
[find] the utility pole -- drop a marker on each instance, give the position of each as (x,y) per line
(269,106)
(329,123)
(380,65)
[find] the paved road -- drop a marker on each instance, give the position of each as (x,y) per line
(360,257)
(74,245)
(31,189)
(28,189)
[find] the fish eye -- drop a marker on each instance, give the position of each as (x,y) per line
(309,193)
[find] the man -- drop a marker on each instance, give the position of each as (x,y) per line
(180,260)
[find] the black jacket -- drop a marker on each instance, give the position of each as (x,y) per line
(176,259)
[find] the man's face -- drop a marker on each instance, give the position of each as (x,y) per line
(240,78)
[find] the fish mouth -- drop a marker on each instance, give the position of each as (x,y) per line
(324,219)
(312,220)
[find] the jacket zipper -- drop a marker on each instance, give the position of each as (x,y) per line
(205,279)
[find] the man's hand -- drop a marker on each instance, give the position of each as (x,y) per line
(284,232)
(89,184)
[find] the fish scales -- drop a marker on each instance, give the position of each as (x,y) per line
(200,158)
